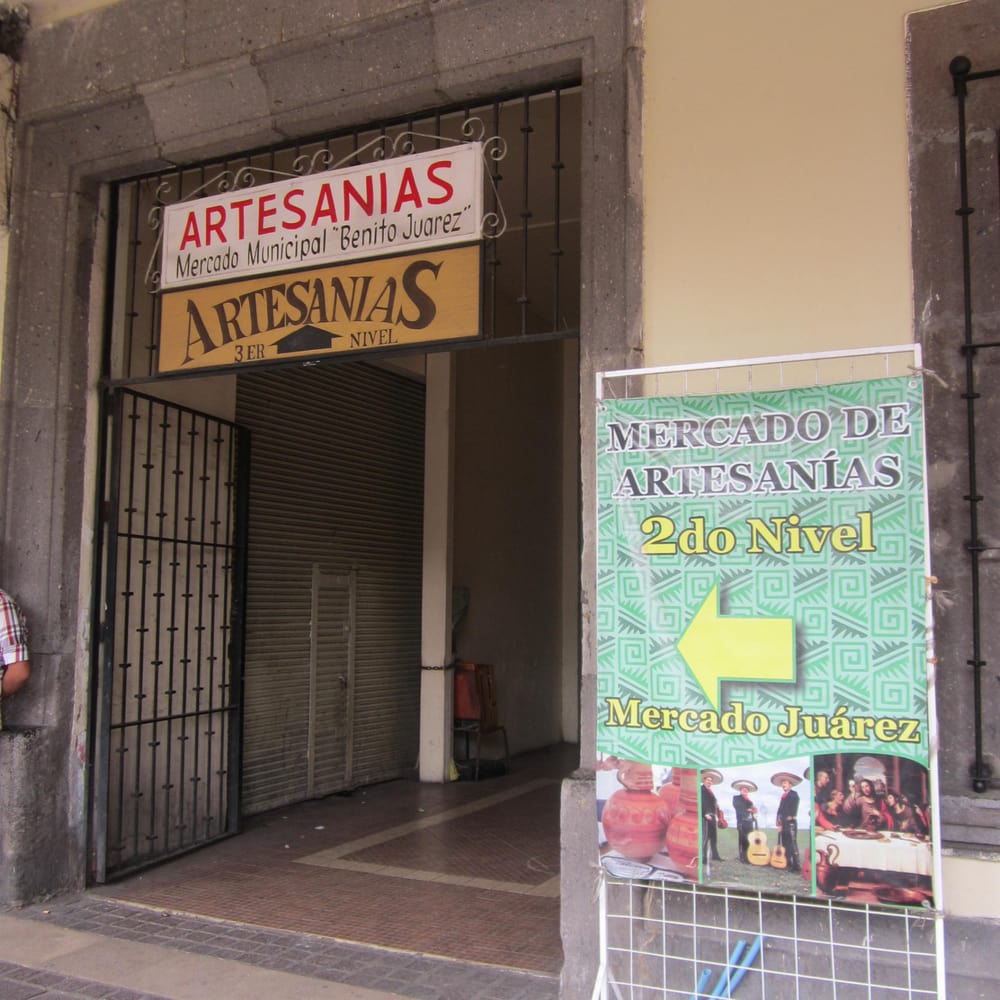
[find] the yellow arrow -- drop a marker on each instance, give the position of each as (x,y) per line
(744,649)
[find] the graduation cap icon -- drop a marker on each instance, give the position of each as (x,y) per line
(306,338)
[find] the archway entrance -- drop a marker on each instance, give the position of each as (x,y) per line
(328,670)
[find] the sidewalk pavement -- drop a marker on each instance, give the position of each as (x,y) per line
(89,946)
(45,961)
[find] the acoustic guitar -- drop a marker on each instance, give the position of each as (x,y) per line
(758,852)
(778,858)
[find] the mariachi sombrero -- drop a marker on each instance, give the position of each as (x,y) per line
(740,783)
(777,779)
(716,776)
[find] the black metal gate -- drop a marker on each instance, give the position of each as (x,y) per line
(170,633)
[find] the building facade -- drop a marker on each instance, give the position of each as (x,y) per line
(737,183)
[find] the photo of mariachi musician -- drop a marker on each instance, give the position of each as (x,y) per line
(770,829)
(728,825)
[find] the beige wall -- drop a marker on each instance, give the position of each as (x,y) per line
(776,184)
(776,187)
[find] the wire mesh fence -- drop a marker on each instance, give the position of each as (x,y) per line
(674,940)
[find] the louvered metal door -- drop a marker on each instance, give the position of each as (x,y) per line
(169,677)
(332,681)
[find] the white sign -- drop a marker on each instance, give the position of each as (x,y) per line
(372,210)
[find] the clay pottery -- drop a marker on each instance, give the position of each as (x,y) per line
(633,817)
(671,794)
(684,832)
(636,776)
(827,868)
(902,896)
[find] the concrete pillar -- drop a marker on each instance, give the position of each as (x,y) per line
(570,541)
(436,684)
(30,840)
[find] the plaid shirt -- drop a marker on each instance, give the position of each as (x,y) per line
(13,633)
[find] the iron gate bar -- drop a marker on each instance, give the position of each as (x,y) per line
(237,620)
(139,536)
(131,312)
(526,130)
(492,256)
(557,251)
(175,541)
(961,71)
(164,778)
(113,403)
(167,717)
(157,661)
(144,630)
(199,629)
(126,663)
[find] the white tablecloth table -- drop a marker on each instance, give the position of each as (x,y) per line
(891,852)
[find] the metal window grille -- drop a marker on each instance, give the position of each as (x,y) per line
(979,179)
(530,270)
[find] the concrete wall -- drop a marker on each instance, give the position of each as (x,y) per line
(508,531)
(137,85)
(968,817)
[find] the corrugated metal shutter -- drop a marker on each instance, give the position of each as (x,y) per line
(336,485)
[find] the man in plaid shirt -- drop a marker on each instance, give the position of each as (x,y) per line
(14,666)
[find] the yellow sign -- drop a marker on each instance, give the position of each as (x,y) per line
(730,648)
(418,298)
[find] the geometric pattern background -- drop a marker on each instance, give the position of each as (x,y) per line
(859,617)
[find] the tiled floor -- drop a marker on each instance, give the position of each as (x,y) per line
(467,871)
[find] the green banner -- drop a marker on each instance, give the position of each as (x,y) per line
(762,588)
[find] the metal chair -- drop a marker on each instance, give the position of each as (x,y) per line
(487,723)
